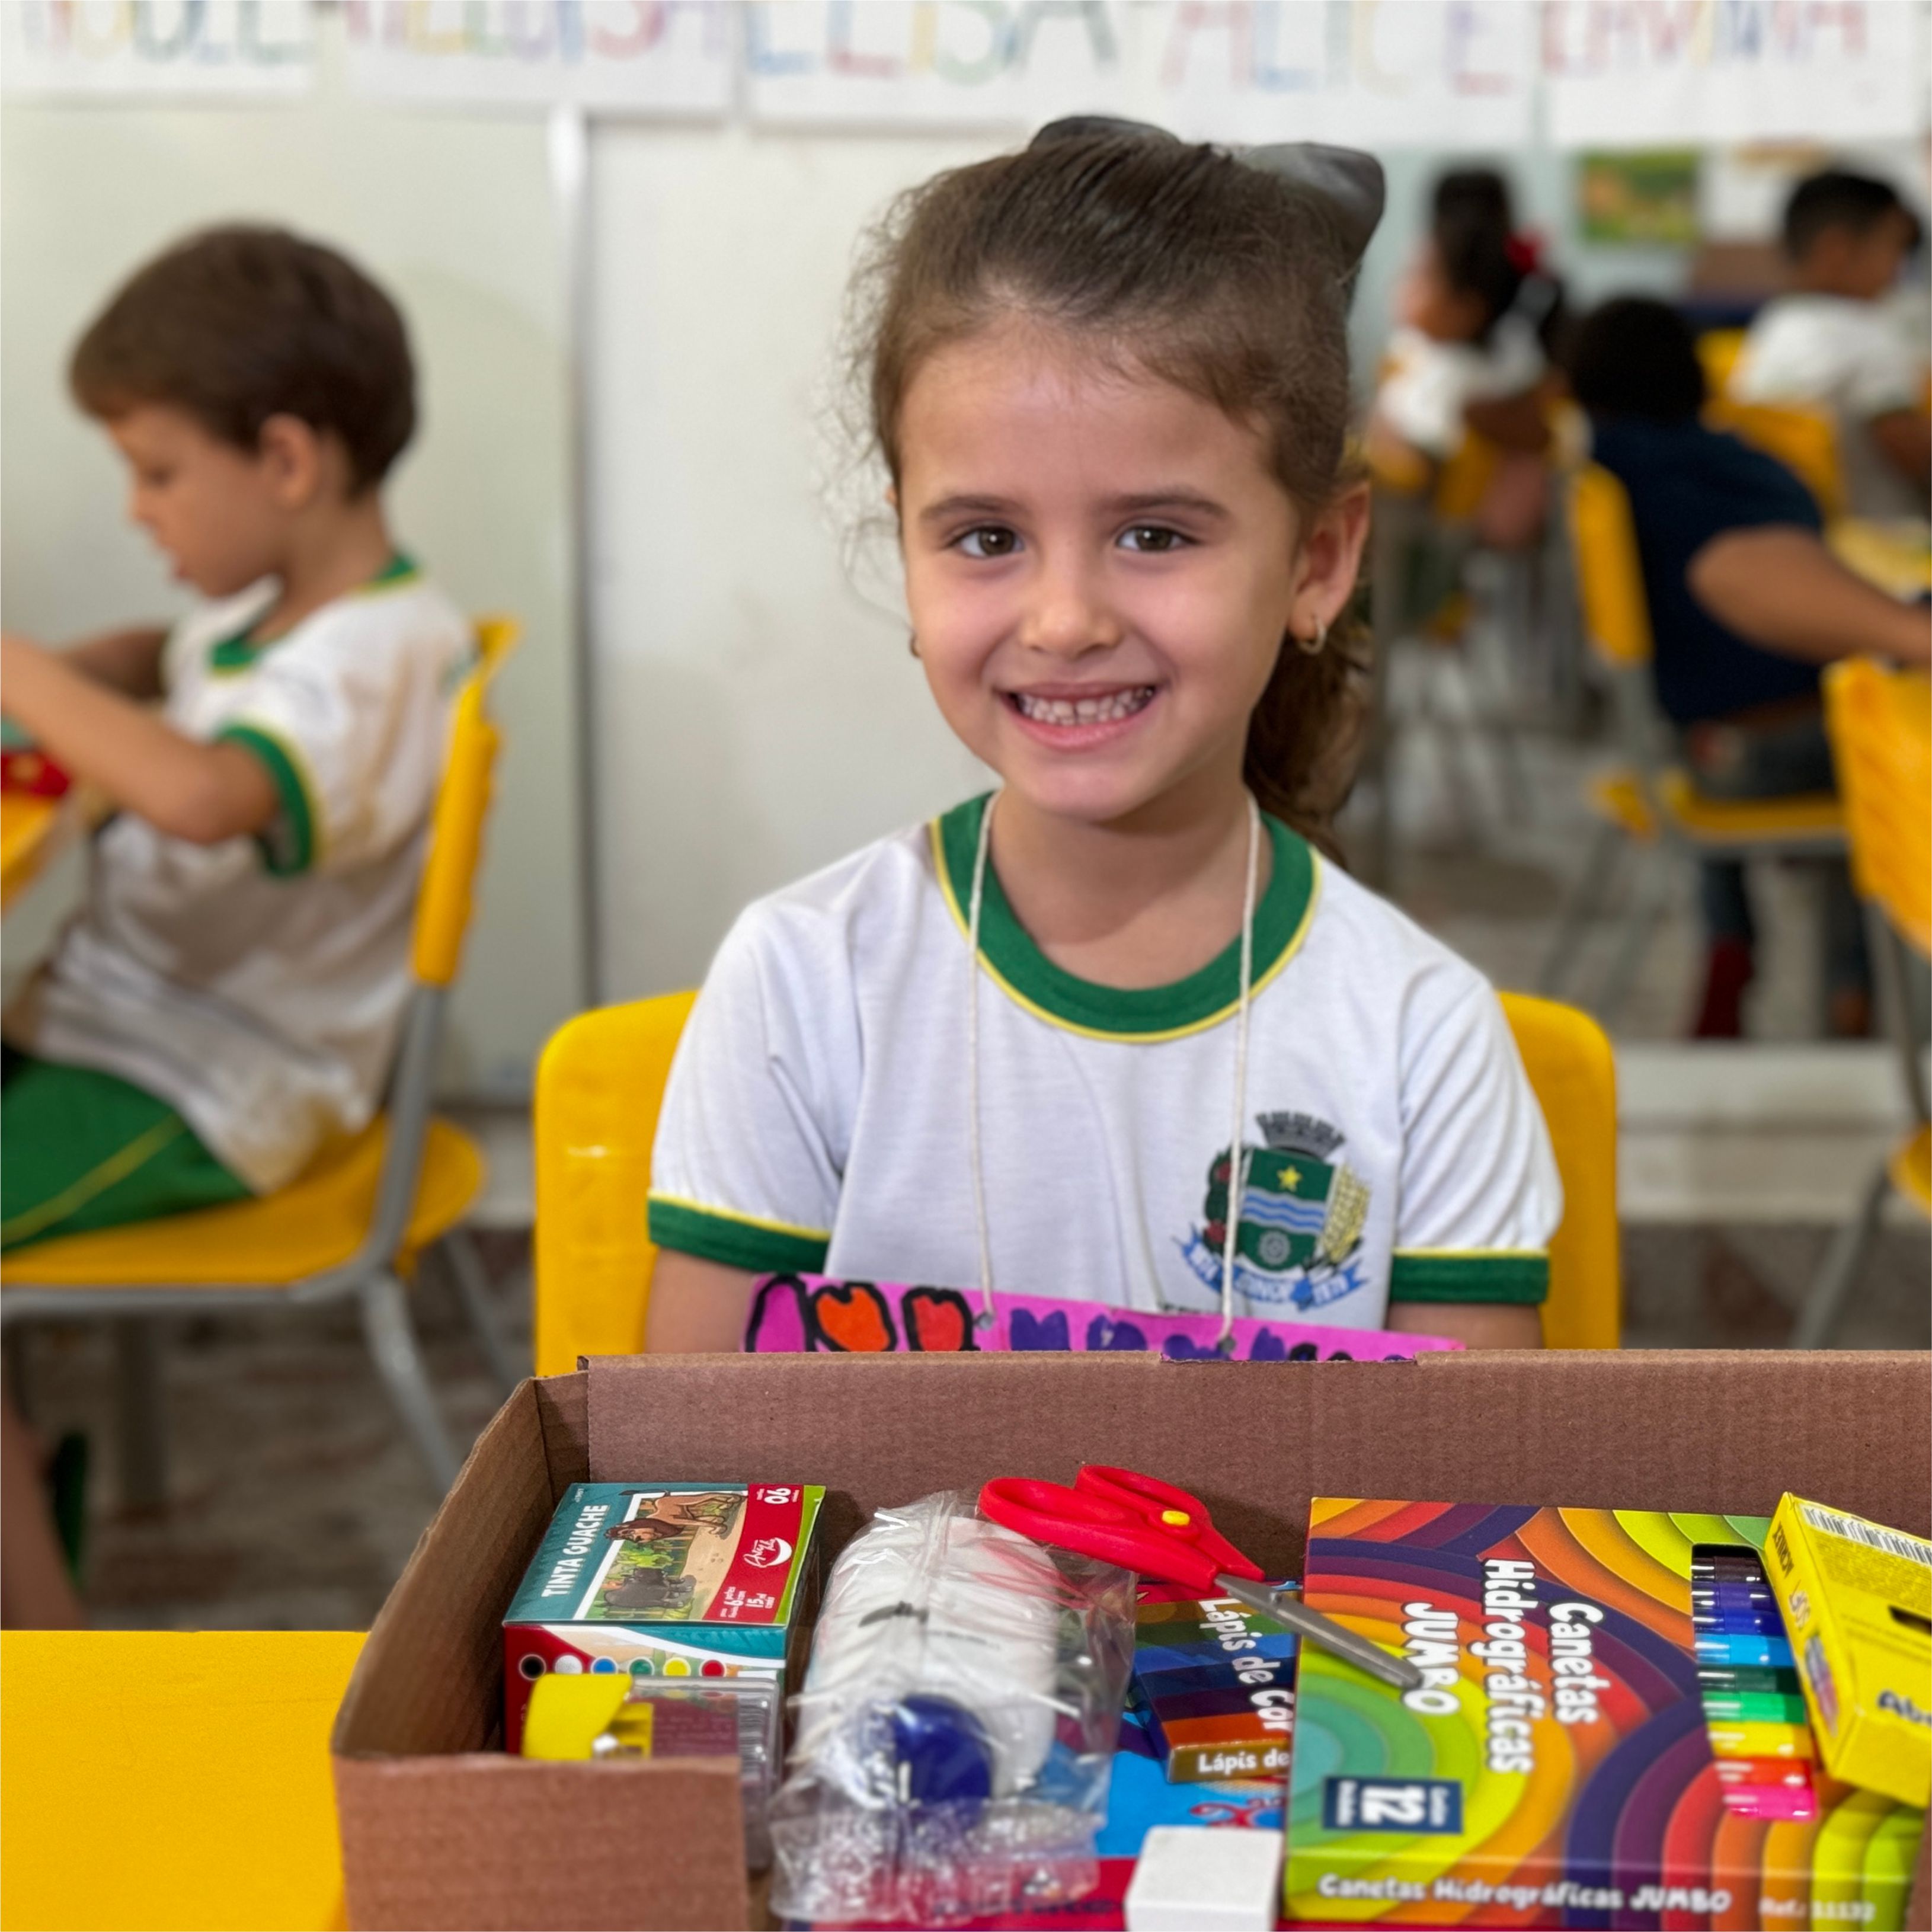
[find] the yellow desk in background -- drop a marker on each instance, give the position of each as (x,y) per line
(32,831)
(1896,557)
(160,1779)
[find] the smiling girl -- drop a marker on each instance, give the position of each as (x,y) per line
(1016,1047)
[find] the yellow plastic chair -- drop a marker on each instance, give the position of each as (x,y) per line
(1881,726)
(1573,1074)
(1718,350)
(206,1752)
(601,1082)
(353,1223)
(1650,803)
(1805,440)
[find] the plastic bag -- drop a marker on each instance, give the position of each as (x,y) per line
(957,1725)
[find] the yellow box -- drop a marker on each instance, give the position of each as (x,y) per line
(1856,1599)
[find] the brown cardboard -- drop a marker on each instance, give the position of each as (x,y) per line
(439,1829)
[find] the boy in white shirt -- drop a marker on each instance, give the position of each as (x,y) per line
(1831,344)
(230,994)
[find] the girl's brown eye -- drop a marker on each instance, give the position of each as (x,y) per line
(1152,538)
(990,540)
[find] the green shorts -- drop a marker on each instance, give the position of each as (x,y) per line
(81,1149)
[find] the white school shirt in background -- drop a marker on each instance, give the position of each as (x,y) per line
(1429,384)
(256,986)
(815,1118)
(1851,358)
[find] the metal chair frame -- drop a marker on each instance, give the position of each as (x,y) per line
(372,1277)
(1644,740)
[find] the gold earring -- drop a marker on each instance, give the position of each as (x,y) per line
(1312,647)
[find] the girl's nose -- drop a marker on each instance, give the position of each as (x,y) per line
(1066,615)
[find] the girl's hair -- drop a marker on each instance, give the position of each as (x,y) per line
(1188,264)
(1482,254)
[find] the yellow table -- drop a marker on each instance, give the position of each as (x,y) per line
(157,1780)
(1896,556)
(32,831)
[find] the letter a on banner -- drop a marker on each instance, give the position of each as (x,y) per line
(1686,72)
(656,57)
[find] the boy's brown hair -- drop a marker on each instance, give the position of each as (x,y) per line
(1181,261)
(238,324)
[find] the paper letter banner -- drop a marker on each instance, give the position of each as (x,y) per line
(150,48)
(807,1314)
(935,63)
(1364,73)
(1445,73)
(1643,73)
(658,57)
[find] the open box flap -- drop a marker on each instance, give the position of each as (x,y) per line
(1678,1430)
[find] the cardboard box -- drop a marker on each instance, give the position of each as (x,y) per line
(440,1828)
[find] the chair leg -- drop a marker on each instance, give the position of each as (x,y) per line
(472,1287)
(1647,903)
(1843,1262)
(140,1407)
(1581,904)
(392,1347)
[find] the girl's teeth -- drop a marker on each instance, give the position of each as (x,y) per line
(1085,710)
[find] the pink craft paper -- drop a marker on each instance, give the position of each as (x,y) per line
(802,1314)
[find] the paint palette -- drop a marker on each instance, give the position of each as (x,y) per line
(1753,1703)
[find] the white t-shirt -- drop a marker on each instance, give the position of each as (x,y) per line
(1429,384)
(1848,357)
(256,986)
(815,1118)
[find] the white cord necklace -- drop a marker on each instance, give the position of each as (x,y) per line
(1237,1155)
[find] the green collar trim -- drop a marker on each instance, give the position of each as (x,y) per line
(1146,1014)
(244,650)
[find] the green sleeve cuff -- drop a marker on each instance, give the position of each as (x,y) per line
(737,1241)
(1520,1275)
(287,842)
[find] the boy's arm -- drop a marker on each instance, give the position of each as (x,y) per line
(1905,437)
(1778,586)
(697,1307)
(127,661)
(187,789)
(1481,1324)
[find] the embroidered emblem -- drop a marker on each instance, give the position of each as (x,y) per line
(1303,1213)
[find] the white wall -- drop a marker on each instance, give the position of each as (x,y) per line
(453,214)
(759,717)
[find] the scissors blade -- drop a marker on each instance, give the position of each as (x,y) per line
(1312,1626)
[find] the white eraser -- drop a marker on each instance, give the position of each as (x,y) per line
(1192,1878)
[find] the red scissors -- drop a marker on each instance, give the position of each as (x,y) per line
(1156,1530)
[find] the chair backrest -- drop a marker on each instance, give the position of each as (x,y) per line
(1718,350)
(1880,723)
(1805,440)
(600,1086)
(1610,572)
(1573,1073)
(445,900)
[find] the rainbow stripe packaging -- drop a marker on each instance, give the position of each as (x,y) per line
(1555,1768)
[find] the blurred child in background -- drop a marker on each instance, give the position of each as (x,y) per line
(1474,315)
(230,994)
(1746,603)
(1831,343)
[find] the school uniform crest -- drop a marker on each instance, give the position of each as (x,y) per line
(1303,1213)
